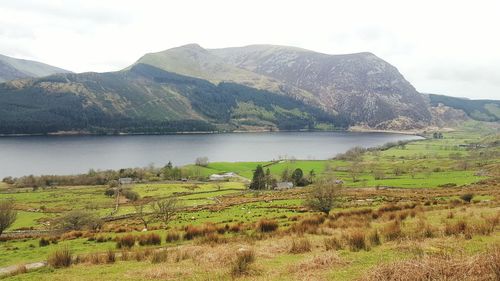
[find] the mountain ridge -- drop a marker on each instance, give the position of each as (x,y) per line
(13,68)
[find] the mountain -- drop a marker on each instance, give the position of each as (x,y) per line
(12,68)
(194,61)
(258,87)
(361,86)
(146,99)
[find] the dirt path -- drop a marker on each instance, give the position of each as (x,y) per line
(29,266)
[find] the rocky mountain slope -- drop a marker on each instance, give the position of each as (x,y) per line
(12,68)
(360,86)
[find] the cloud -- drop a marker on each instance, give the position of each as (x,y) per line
(467,73)
(431,44)
(71,10)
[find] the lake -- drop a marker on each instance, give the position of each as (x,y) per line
(77,154)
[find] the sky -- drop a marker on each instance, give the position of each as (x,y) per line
(447,47)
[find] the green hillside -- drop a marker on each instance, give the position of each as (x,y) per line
(148,100)
(482,110)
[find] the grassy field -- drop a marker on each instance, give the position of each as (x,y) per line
(404,202)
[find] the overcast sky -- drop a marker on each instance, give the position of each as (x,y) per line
(443,46)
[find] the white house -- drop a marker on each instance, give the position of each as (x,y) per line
(123,181)
(284,185)
(217,177)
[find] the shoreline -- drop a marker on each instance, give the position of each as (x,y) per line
(353,129)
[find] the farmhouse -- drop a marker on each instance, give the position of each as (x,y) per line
(123,181)
(284,185)
(217,177)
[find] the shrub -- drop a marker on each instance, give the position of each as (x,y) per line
(467,197)
(109,192)
(127,241)
(149,239)
(299,246)
(332,243)
(78,220)
(60,258)
(243,262)
(266,225)
(130,195)
(159,257)
(43,242)
(172,236)
(356,240)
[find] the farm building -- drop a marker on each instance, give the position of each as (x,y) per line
(123,181)
(217,177)
(284,185)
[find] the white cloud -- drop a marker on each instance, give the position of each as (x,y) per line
(449,47)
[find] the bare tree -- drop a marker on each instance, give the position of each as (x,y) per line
(201,161)
(165,210)
(145,217)
(322,196)
(355,170)
(7,214)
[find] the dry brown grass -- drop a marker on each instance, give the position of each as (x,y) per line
(172,236)
(243,262)
(309,224)
(149,239)
(192,232)
(60,258)
(374,238)
(392,231)
(127,241)
(311,268)
(20,269)
(332,243)
(159,256)
(356,240)
(267,225)
(110,256)
(482,267)
(299,246)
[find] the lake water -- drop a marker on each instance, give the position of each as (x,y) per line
(76,154)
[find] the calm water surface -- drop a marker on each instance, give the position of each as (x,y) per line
(77,154)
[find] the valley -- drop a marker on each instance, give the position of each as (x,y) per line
(432,201)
